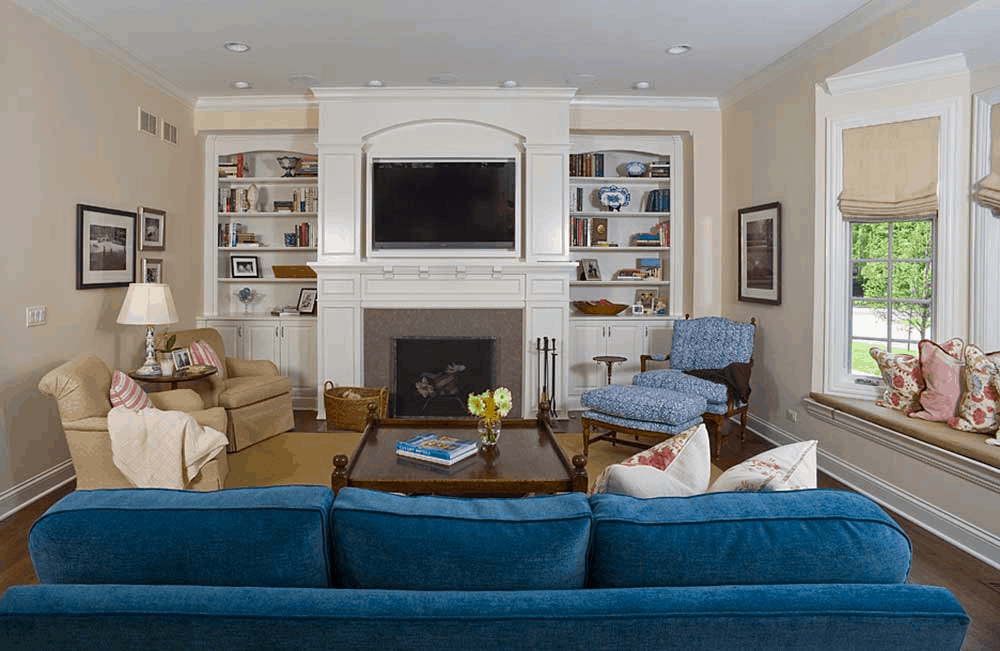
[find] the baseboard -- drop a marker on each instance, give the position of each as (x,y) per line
(17,497)
(968,537)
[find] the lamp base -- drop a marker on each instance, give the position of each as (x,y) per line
(148,369)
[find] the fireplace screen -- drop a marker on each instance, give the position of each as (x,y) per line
(433,376)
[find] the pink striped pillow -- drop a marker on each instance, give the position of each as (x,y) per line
(202,353)
(126,393)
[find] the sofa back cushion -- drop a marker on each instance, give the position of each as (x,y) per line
(388,541)
(808,536)
(276,536)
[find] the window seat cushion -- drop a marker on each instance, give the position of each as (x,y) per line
(967,444)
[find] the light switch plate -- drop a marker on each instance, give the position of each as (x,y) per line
(35,315)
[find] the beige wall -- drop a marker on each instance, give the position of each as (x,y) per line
(70,137)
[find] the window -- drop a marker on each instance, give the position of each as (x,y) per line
(892,289)
(889,281)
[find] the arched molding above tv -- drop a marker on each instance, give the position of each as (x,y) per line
(443,137)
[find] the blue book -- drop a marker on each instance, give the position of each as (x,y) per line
(440,448)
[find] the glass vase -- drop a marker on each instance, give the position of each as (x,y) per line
(489,432)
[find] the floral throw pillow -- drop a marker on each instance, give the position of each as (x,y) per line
(977,409)
(126,393)
(786,468)
(942,370)
(903,380)
(677,467)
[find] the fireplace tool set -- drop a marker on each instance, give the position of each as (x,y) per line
(547,397)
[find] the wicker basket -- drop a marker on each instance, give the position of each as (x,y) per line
(351,413)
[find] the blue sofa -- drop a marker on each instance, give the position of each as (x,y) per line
(293,567)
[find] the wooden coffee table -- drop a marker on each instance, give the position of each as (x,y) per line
(528,460)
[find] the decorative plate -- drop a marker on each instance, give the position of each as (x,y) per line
(635,168)
(614,197)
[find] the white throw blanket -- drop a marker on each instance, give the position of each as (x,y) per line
(160,449)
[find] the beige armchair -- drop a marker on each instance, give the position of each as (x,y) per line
(81,388)
(257,399)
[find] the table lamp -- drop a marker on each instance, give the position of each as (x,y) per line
(148,304)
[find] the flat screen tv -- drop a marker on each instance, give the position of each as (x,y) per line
(443,204)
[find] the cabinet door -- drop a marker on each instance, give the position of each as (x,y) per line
(659,338)
(261,341)
(298,356)
(587,340)
(230,332)
(626,340)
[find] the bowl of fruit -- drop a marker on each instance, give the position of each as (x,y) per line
(603,307)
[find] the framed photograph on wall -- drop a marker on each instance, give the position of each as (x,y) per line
(244,266)
(105,247)
(760,254)
(152,225)
(152,270)
(307,301)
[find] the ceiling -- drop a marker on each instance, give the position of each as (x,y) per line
(598,46)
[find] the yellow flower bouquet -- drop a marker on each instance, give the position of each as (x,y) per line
(490,406)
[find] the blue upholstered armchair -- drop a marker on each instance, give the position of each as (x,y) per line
(710,357)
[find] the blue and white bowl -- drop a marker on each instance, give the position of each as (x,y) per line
(635,168)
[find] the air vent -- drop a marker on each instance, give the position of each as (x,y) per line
(148,122)
(169,133)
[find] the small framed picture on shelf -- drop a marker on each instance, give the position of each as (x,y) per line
(646,299)
(152,270)
(182,358)
(589,269)
(759,260)
(307,301)
(637,310)
(152,224)
(244,266)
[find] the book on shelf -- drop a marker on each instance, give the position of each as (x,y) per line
(587,164)
(657,201)
(436,448)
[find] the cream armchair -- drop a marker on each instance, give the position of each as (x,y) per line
(81,388)
(257,399)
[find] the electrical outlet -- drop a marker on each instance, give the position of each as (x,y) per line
(35,315)
(792,415)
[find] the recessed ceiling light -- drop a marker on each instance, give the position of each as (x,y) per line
(242,85)
(642,85)
(678,49)
(305,80)
(376,83)
(236,46)
(443,78)
(510,83)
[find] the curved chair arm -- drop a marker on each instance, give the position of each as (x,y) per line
(250,367)
(92,424)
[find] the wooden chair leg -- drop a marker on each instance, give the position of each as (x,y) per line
(713,423)
(743,424)
(586,438)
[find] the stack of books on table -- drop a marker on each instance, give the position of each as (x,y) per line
(436,448)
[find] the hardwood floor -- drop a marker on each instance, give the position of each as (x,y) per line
(935,562)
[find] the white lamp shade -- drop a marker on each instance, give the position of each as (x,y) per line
(148,304)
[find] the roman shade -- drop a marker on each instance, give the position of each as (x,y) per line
(890,171)
(988,188)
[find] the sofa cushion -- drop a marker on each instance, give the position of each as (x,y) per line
(679,466)
(125,392)
(810,536)
(243,391)
(675,380)
(784,468)
(388,541)
(276,536)
(645,403)
(648,425)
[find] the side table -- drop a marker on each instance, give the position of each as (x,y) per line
(188,374)
(610,360)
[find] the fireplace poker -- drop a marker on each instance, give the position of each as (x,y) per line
(552,400)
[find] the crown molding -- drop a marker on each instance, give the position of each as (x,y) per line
(905,73)
(363,93)
(62,19)
(666,103)
(253,103)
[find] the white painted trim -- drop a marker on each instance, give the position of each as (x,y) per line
(468,93)
(665,103)
(983,544)
(17,497)
(255,103)
(88,35)
(984,268)
(906,73)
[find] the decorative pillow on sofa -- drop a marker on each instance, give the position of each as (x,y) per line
(202,353)
(977,409)
(677,467)
(903,380)
(786,468)
(126,393)
(941,365)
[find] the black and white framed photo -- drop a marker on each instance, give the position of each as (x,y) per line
(589,269)
(244,266)
(105,247)
(152,270)
(307,300)
(152,229)
(760,254)
(182,358)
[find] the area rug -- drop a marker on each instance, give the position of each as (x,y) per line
(307,458)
